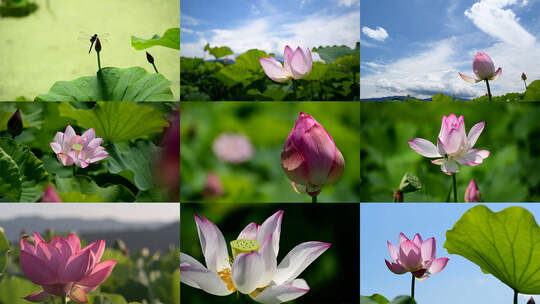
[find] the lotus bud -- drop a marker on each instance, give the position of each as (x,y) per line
(15,124)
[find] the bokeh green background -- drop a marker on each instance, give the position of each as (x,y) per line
(43,48)
(511,173)
(332,278)
(267,124)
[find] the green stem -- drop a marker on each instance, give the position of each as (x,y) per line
(155,68)
(314,199)
(489,90)
(63,300)
(311,88)
(294,88)
(515,296)
(525,84)
(74,168)
(98,61)
(455,187)
(412,286)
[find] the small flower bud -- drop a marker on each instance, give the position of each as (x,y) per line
(472,194)
(149,58)
(409,183)
(15,124)
(531,300)
(50,195)
(524,77)
(398,196)
(98,45)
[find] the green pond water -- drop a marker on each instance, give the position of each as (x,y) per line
(42,48)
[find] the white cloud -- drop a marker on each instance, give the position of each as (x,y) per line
(348,3)
(271,34)
(379,34)
(421,75)
(186,30)
(502,24)
(189,20)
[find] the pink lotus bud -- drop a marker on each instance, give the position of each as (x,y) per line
(524,77)
(50,195)
(149,58)
(98,45)
(212,187)
(296,65)
(472,194)
(531,301)
(416,256)
(310,157)
(483,68)
(168,162)
(62,268)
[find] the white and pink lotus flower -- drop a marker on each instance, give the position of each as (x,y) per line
(253,268)
(296,65)
(83,150)
(484,69)
(453,145)
(416,256)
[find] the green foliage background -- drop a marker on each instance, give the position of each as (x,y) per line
(267,125)
(510,173)
(332,278)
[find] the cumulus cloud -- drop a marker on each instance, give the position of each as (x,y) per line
(271,34)
(379,34)
(348,3)
(501,24)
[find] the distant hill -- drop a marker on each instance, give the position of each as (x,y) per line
(15,227)
(397,98)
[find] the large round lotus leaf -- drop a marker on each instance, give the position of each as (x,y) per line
(112,84)
(14,289)
(118,121)
(81,188)
(170,39)
(505,244)
(31,172)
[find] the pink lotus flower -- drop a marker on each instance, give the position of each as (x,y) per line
(212,187)
(233,148)
(50,195)
(297,65)
(453,145)
(472,194)
(310,157)
(483,68)
(62,268)
(253,269)
(416,256)
(83,150)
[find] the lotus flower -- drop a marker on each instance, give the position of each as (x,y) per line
(83,150)
(233,148)
(253,269)
(484,69)
(62,268)
(524,78)
(15,124)
(416,256)
(453,145)
(472,194)
(310,157)
(297,65)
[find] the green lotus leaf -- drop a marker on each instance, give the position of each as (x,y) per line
(218,52)
(374,299)
(139,159)
(250,60)
(118,121)
(505,244)
(331,53)
(533,91)
(81,188)
(31,173)
(14,289)
(318,70)
(112,84)
(170,39)
(106,298)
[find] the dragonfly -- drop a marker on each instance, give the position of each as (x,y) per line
(92,38)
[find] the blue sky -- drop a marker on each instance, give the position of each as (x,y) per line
(460,282)
(417,47)
(267,25)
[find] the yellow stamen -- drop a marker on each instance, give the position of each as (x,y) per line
(225,275)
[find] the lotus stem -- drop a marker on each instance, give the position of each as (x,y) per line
(515,297)
(314,199)
(311,88)
(455,187)
(155,69)
(489,90)
(98,62)
(74,169)
(412,286)
(63,300)
(525,81)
